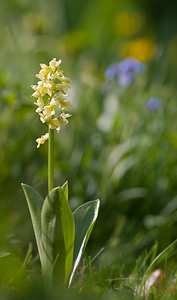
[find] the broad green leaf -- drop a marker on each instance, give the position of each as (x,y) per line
(35,202)
(84,217)
(57,241)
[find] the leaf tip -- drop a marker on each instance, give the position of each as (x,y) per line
(24,186)
(65,185)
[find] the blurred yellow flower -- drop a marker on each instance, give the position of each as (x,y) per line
(127,23)
(142,49)
(50,92)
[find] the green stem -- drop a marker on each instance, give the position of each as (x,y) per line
(51,160)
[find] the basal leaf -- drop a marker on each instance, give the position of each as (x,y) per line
(35,202)
(84,217)
(57,241)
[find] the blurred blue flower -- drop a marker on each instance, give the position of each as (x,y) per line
(153,104)
(112,71)
(125,71)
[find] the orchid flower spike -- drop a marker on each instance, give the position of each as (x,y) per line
(51,92)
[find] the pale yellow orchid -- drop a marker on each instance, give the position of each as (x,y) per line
(42,139)
(64,104)
(51,91)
